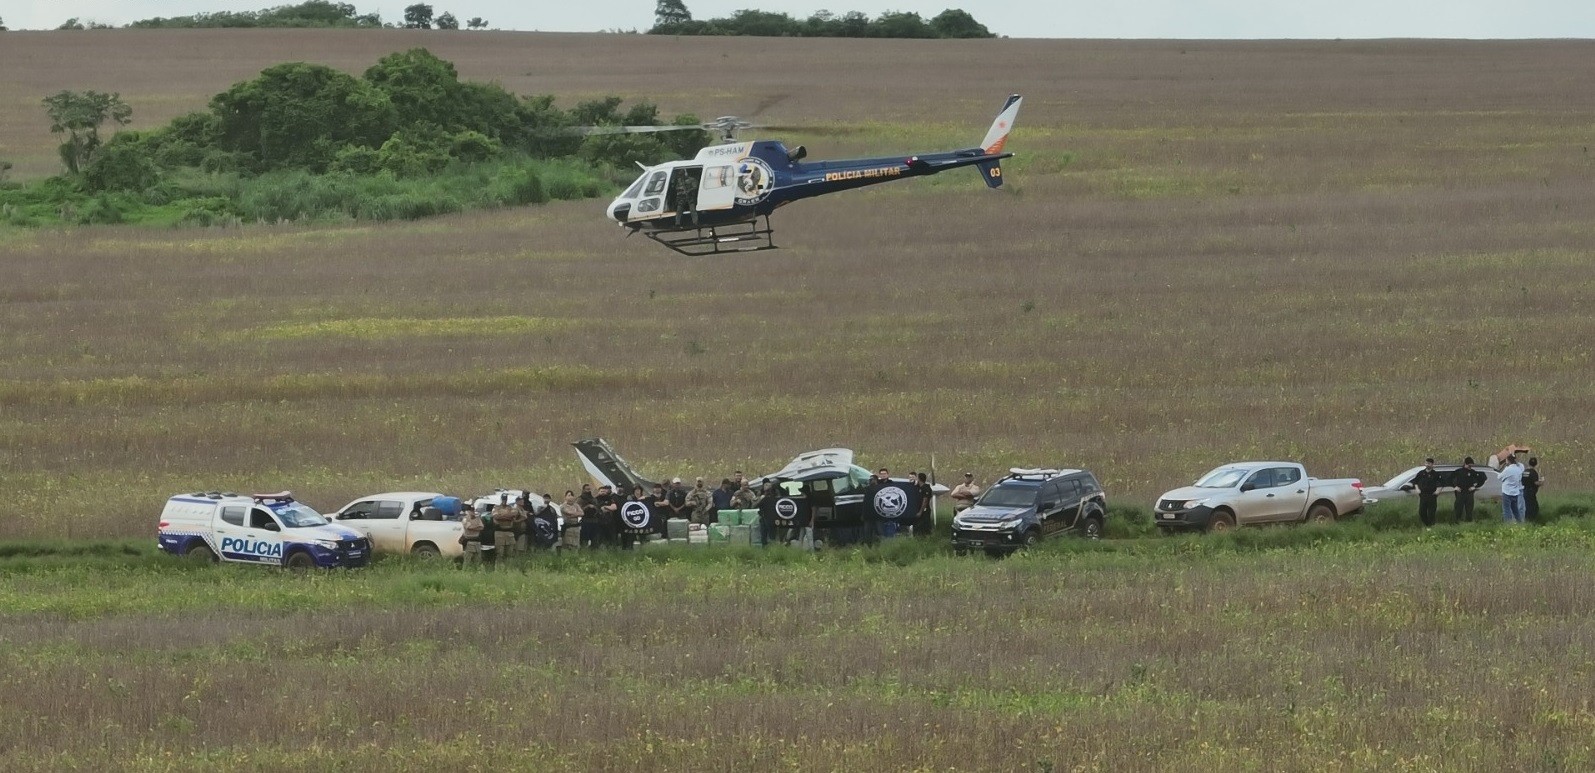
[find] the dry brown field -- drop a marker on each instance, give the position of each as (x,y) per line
(1352,253)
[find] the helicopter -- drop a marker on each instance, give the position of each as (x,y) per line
(714,202)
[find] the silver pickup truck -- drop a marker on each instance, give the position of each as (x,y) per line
(1247,493)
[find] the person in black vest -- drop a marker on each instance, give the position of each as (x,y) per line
(1531,489)
(1427,482)
(660,502)
(608,521)
(1467,480)
(925,522)
(592,529)
(766,504)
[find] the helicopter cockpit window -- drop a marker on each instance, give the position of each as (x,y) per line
(656,183)
(716,177)
(636,187)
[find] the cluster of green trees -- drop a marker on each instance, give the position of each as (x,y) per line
(324,141)
(671,17)
(311,14)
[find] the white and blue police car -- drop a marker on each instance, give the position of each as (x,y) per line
(271,529)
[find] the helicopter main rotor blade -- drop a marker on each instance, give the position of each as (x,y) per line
(602,130)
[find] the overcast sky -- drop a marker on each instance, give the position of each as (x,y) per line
(1014,18)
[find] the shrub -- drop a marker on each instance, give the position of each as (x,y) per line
(410,154)
(473,146)
(120,166)
(103,209)
(519,186)
(357,160)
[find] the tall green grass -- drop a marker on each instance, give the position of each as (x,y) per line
(193,197)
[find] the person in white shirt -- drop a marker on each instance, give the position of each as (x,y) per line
(964,493)
(1512,491)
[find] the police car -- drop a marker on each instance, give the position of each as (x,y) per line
(271,529)
(1029,504)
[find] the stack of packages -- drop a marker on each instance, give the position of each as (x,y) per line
(676,531)
(697,534)
(736,527)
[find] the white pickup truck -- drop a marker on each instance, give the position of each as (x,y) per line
(1247,493)
(403,522)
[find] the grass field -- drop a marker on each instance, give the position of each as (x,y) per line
(1340,648)
(1354,254)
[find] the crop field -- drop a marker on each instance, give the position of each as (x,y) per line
(1354,254)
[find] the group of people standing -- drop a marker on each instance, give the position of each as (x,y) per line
(1520,487)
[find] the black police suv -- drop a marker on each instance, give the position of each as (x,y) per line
(1029,505)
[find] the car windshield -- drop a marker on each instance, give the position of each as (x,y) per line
(298,515)
(1402,479)
(1223,477)
(1008,496)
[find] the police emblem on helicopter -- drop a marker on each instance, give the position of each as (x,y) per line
(891,502)
(755,180)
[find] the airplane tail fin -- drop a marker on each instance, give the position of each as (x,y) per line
(606,467)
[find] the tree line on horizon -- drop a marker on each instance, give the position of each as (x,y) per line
(671,17)
(311,14)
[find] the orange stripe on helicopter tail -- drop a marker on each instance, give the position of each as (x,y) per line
(996,147)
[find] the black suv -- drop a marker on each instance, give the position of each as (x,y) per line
(1026,506)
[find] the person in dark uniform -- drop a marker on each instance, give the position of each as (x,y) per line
(592,528)
(1531,489)
(1467,480)
(925,523)
(1427,482)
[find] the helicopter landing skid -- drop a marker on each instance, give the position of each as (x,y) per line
(717,240)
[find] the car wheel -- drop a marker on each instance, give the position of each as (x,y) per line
(1321,514)
(960,552)
(1092,529)
(1221,522)
(425,550)
(200,554)
(1031,537)
(301,560)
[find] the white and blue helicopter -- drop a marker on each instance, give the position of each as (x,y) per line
(715,202)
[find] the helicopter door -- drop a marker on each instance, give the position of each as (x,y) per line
(684,184)
(652,203)
(719,188)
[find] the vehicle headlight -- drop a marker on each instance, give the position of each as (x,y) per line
(1190,503)
(330,544)
(1010,524)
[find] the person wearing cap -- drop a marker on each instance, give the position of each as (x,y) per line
(676,499)
(700,503)
(1466,480)
(1512,490)
(964,494)
(1427,482)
